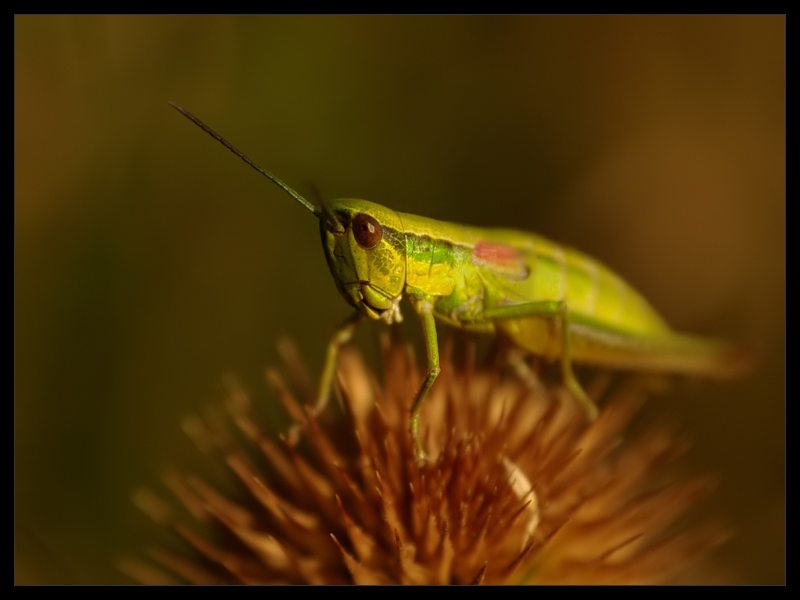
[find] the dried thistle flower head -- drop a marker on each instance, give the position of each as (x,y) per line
(518,489)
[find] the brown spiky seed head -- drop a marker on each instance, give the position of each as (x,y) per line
(517,488)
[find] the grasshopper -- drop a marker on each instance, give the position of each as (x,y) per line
(548,299)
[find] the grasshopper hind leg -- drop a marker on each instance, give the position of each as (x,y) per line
(558,312)
(580,395)
(517,359)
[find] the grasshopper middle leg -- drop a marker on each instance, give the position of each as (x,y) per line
(425,312)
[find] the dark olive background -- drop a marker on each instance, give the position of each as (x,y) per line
(148,261)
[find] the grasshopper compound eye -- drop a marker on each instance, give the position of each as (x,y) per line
(367,231)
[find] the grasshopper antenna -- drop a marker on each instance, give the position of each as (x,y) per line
(313,209)
(336,227)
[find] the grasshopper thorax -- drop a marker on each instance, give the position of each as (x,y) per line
(368,258)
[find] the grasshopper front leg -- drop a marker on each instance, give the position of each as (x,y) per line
(339,339)
(425,310)
(556,310)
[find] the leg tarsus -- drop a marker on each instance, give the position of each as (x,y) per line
(583,399)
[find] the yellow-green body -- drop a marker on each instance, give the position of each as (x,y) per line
(596,297)
(439,263)
(548,299)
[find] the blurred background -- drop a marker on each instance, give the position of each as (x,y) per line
(149,262)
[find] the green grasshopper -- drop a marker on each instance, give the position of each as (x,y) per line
(548,299)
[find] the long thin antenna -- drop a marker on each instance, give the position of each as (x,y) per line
(325,209)
(317,212)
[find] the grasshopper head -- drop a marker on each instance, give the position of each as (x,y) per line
(364,243)
(368,258)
